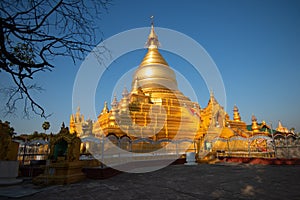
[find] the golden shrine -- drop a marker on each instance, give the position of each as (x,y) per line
(63,165)
(154,108)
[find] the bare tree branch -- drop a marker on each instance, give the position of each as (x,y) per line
(33,32)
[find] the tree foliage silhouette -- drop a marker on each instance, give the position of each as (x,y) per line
(46,126)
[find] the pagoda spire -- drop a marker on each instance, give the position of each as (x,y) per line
(135,87)
(125,92)
(254,126)
(152,42)
(153,56)
(124,101)
(114,103)
(105,108)
(72,124)
(236,114)
(212,98)
(211,95)
(281,128)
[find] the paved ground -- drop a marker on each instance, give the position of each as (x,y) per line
(221,181)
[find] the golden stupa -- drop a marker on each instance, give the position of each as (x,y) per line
(155,109)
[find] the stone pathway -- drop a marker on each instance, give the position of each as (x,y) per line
(220,181)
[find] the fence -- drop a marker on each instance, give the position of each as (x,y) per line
(112,150)
(279,146)
(287,146)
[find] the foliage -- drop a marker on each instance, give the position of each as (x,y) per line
(5,128)
(46,126)
(34,32)
(37,135)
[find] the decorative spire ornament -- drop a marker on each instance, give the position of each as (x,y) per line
(254,126)
(236,114)
(152,41)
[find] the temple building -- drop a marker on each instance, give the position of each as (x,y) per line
(156,110)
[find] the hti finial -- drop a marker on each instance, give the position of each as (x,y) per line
(211,93)
(152,20)
(152,42)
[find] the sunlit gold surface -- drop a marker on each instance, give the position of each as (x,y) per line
(281,128)
(155,98)
(254,126)
(153,57)
(154,72)
(236,114)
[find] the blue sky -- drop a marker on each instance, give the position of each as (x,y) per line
(255,45)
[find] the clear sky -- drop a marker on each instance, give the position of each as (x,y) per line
(255,45)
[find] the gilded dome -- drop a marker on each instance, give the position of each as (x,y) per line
(154,71)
